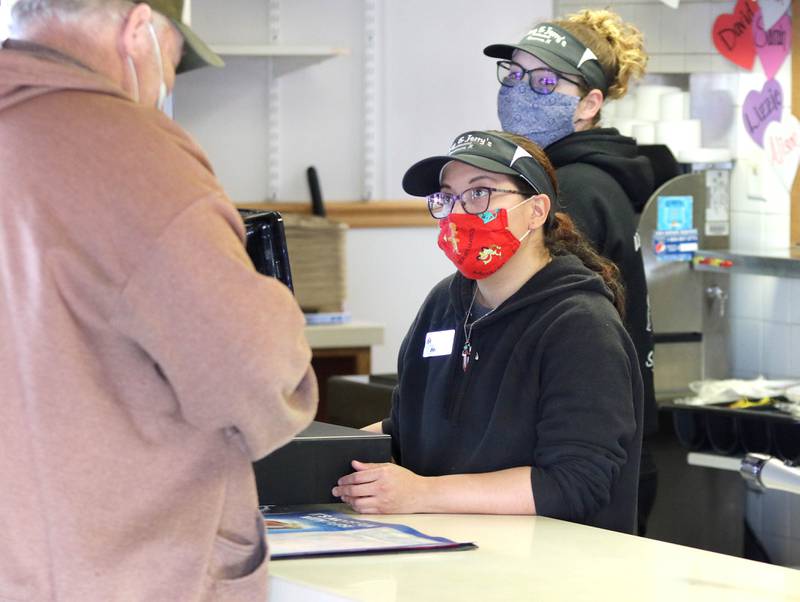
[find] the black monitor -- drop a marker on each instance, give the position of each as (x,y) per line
(266,244)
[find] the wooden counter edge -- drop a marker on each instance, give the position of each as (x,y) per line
(361,214)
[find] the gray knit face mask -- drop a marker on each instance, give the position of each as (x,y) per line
(543,118)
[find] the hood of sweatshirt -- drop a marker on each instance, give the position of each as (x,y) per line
(565,275)
(617,155)
(28,70)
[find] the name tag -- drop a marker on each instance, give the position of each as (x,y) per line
(438,343)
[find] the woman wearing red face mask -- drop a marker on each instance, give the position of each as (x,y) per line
(519,389)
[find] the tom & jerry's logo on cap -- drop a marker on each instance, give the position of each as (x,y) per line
(545,34)
(467,142)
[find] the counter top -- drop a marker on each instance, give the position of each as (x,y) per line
(532,558)
(783,263)
(351,334)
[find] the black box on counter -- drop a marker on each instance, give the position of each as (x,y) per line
(306,469)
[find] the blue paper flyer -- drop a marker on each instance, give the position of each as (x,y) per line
(306,534)
(675,213)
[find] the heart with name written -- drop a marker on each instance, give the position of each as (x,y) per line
(772,10)
(761,108)
(774,44)
(782,145)
(733,34)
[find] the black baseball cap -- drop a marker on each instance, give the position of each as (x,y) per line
(196,53)
(560,50)
(484,150)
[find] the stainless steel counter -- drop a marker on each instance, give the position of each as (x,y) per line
(782,263)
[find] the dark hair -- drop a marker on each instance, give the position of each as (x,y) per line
(562,237)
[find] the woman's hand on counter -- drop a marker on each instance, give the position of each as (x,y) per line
(392,489)
(381,489)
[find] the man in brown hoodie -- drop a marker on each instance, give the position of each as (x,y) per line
(143,362)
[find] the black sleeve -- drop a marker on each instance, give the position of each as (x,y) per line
(587,418)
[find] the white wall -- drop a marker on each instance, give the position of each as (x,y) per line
(5,8)
(765,319)
(432,82)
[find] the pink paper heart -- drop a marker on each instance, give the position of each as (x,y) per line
(774,45)
(761,108)
(782,145)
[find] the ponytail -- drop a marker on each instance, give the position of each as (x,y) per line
(561,237)
(617,44)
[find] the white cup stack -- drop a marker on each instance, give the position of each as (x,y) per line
(648,101)
(656,115)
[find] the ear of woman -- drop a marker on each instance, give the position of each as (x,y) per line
(541,208)
(588,107)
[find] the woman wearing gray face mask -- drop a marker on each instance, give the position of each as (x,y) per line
(553,85)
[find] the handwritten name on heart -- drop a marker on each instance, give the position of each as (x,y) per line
(733,34)
(760,108)
(782,145)
(772,10)
(774,44)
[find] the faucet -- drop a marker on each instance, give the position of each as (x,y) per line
(767,472)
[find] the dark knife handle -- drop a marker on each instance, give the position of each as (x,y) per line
(317,205)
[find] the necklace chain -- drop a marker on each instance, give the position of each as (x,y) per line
(466,351)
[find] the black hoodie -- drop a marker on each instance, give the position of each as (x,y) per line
(603,184)
(553,384)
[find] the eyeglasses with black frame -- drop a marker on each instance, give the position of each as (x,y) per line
(541,79)
(473,200)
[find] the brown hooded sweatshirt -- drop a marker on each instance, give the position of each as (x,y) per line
(143,362)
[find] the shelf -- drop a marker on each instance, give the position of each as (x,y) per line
(781,263)
(351,334)
(361,214)
(278,50)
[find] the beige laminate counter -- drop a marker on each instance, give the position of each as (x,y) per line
(352,334)
(533,558)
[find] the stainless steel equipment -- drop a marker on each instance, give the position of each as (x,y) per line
(688,307)
(766,472)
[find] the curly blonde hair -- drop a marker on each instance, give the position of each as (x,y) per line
(619,46)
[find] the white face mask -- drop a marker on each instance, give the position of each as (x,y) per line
(162,88)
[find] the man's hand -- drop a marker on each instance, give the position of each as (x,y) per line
(381,489)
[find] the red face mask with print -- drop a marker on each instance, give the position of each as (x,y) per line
(478,245)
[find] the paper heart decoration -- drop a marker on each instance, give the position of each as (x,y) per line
(761,108)
(772,10)
(733,34)
(782,145)
(773,45)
